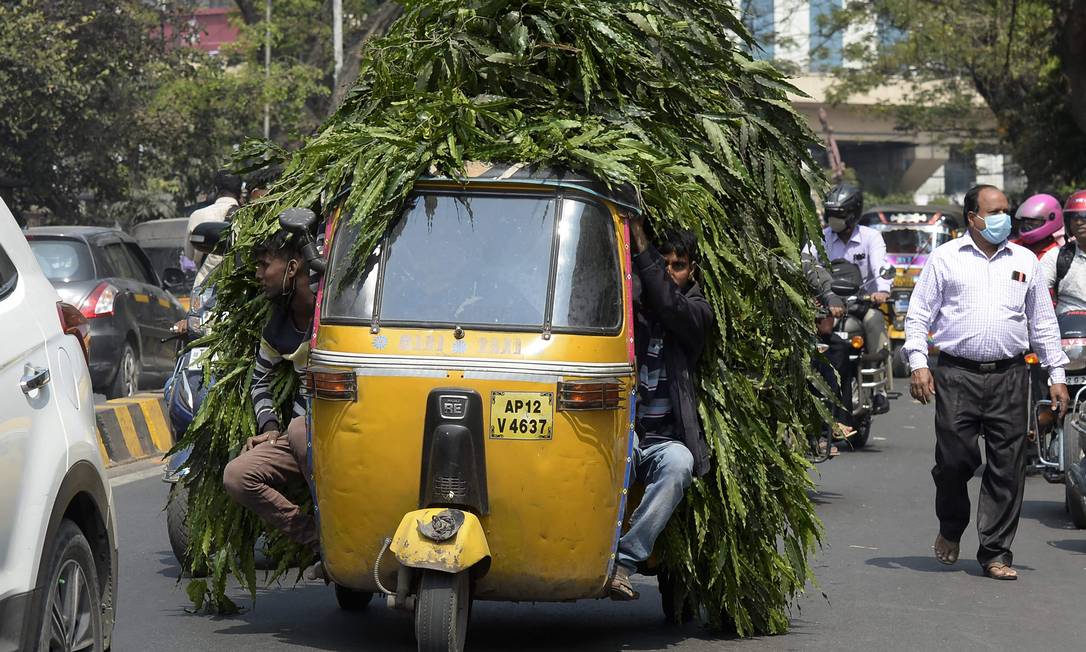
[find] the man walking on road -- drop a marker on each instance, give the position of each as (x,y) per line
(985,302)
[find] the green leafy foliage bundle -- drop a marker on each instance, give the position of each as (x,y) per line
(658,94)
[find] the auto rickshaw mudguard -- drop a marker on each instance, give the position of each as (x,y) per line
(466,548)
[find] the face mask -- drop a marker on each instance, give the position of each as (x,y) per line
(837,224)
(996,228)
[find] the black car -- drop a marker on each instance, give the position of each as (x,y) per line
(110,279)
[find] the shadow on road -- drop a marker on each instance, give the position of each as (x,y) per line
(824,497)
(1049,513)
(1070,545)
(924,564)
(966,565)
(306,615)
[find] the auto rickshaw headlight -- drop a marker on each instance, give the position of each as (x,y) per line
(331,385)
(857,342)
(576,395)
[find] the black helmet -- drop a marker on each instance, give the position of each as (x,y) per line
(845,202)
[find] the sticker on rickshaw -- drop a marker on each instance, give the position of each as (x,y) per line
(521,415)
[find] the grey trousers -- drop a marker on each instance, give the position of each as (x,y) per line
(968,403)
(876,338)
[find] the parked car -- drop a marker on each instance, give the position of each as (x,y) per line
(105,274)
(163,241)
(58,554)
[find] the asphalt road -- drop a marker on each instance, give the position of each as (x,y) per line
(879,586)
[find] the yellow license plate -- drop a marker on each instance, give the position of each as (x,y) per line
(521,415)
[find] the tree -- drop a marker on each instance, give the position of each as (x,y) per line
(1022,62)
(72,75)
(658,94)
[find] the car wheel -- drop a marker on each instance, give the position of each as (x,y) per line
(177,529)
(127,380)
(71,613)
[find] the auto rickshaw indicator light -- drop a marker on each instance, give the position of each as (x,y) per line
(1032,359)
(590,395)
(857,342)
(331,385)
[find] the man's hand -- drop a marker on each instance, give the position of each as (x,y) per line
(267,437)
(1060,398)
(922,386)
(837,311)
(640,240)
(181,327)
(879,298)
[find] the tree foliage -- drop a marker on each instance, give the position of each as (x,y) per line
(108,115)
(652,93)
(1022,60)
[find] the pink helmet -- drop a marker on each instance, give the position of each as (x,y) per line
(1040,207)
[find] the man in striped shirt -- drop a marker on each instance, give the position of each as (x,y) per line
(273,458)
(985,302)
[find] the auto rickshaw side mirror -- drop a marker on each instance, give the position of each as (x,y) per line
(888,272)
(205,237)
(297,220)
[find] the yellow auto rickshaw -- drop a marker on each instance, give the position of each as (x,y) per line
(911,234)
(471,390)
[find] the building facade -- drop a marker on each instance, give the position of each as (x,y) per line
(887,161)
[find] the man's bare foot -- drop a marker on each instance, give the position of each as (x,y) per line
(945,551)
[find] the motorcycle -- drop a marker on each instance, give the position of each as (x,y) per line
(1060,446)
(860,378)
(185,390)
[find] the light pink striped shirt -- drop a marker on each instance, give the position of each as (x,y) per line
(983,310)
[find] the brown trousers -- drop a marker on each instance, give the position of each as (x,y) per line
(254,480)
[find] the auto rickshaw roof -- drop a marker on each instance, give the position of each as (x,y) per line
(625,196)
(880,214)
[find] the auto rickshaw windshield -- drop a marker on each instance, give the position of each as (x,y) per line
(913,241)
(485,261)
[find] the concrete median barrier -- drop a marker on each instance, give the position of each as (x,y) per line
(131,429)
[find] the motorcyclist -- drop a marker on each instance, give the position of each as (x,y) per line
(1065,273)
(835,350)
(846,239)
(1038,222)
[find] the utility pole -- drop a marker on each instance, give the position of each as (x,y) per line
(267,67)
(337,41)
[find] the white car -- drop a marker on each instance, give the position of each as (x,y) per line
(58,554)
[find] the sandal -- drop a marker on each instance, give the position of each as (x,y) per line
(997,570)
(621,589)
(826,449)
(841,431)
(946,551)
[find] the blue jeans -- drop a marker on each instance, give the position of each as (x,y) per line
(666,470)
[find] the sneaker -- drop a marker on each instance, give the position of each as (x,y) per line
(880,404)
(314,572)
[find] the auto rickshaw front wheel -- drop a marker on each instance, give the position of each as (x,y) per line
(351,600)
(442,610)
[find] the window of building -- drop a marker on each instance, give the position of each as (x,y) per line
(758,17)
(889,34)
(826,41)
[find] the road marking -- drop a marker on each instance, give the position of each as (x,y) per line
(909,427)
(136,476)
(879,438)
(863,547)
